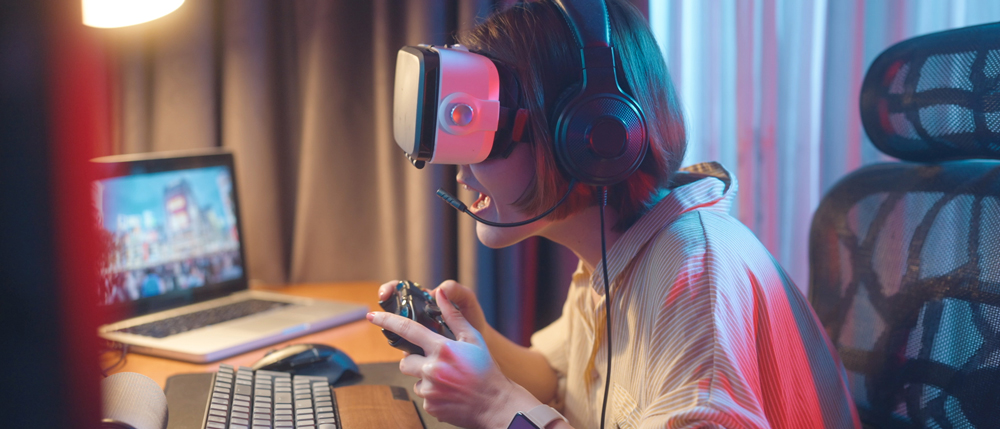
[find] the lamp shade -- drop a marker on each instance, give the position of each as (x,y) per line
(122,13)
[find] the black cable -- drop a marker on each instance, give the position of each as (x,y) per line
(450,199)
(607,302)
(122,358)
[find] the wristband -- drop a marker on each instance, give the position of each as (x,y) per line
(540,416)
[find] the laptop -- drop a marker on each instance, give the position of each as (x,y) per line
(173,264)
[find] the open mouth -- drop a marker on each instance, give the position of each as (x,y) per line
(481,203)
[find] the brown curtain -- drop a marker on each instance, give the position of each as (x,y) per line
(301,92)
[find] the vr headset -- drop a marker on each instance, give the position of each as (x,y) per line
(446,106)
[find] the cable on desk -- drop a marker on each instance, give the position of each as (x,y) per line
(122,349)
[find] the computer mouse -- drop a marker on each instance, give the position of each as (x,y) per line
(311,359)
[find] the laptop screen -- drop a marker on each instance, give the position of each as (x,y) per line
(168,228)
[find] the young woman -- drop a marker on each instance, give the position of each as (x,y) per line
(708,331)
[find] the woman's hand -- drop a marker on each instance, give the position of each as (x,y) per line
(459,381)
(463,297)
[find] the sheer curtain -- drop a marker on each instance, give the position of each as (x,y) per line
(770,88)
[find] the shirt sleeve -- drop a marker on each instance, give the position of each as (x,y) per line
(702,357)
(553,342)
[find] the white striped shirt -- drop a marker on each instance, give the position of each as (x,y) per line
(708,331)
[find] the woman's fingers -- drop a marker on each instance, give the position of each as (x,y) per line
(466,301)
(412,365)
(411,331)
(387,289)
(463,330)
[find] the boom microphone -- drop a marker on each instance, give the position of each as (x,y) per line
(460,206)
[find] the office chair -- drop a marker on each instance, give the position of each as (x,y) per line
(905,257)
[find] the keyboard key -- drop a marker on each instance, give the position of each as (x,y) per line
(305,403)
(215,425)
(327,426)
(243,389)
(282,398)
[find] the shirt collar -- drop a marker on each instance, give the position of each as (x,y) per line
(706,186)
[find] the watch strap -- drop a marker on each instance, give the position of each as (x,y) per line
(542,415)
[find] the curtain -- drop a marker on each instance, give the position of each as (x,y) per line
(771,88)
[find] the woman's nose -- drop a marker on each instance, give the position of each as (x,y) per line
(464,172)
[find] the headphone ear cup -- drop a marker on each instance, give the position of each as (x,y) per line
(599,138)
(559,147)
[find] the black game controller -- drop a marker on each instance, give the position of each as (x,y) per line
(414,303)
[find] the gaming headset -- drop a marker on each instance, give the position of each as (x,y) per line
(446,110)
(446,107)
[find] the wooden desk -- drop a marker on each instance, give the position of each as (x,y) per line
(361,340)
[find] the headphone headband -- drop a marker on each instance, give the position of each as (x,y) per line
(591,29)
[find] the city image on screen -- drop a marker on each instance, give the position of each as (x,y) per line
(166,232)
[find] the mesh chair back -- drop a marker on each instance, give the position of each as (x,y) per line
(936,97)
(904,257)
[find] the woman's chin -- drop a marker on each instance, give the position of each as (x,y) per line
(496,237)
(493,237)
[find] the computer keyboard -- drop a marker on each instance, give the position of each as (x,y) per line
(199,319)
(244,399)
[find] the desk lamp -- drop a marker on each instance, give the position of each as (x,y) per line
(123,13)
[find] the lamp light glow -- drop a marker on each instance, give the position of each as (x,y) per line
(122,13)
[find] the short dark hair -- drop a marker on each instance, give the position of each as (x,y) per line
(533,41)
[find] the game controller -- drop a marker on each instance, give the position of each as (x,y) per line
(414,303)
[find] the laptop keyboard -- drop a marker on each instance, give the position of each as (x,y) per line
(199,319)
(244,399)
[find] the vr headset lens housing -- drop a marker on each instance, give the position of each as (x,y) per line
(446,104)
